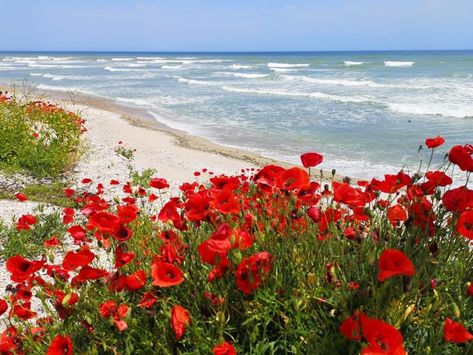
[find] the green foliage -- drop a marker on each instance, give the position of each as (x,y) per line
(37,138)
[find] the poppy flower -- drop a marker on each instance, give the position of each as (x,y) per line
(147,300)
(382,337)
(122,258)
(25,222)
(128,213)
(455,332)
(158,183)
(21,197)
(51,242)
(105,222)
(74,260)
(21,269)
(461,156)
(89,273)
(458,199)
(309,160)
(224,201)
(347,194)
(434,142)
(224,349)
(77,233)
(169,213)
(3,306)
(266,176)
(108,309)
(180,320)
(393,262)
(252,270)
(469,289)
(465,224)
(61,345)
(165,274)
(135,281)
(292,179)
(351,327)
(396,214)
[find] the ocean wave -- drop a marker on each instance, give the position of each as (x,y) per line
(249,75)
(284,70)
(286,65)
(341,82)
(36,74)
(432,109)
(171,67)
(195,82)
(101,60)
(122,59)
(398,64)
(316,95)
(138,102)
(239,66)
(349,63)
(115,69)
(53,77)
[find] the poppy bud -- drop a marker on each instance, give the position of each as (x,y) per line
(456,310)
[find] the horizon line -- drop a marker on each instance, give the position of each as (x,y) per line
(236,51)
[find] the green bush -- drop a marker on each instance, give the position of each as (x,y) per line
(37,138)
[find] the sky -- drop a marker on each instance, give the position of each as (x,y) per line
(235,25)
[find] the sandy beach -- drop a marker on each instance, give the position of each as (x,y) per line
(174,154)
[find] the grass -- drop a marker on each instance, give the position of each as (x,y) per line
(37,138)
(51,193)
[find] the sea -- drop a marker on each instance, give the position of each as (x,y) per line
(366,112)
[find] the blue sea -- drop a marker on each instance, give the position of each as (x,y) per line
(366,112)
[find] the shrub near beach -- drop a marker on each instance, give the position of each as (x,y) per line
(266,262)
(37,138)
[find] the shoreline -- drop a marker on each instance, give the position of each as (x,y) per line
(142,118)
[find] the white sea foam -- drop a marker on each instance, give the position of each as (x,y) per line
(284,70)
(53,77)
(36,74)
(433,109)
(349,63)
(286,65)
(316,95)
(136,101)
(239,66)
(195,82)
(122,59)
(323,81)
(249,75)
(171,67)
(398,64)
(101,60)
(115,69)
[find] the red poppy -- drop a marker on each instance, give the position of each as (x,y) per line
(3,306)
(351,327)
(393,262)
(128,213)
(122,233)
(21,197)
(61,345)
(382,337)
(461,156)
(105,222)
(391,183)
(169,213)
(147,300)
(86,181)
(23,310)
(465,224)
(180,320)
(51,242)
(25,222)
(90,273)
(108,309)
(458,199)
(455,332)
(77,233)
(224,201)
(434,142)
(292,179)
(252,270)
(158,183)
(224,349)
(21,269)
(397,214)
(122,258)
(347,194)
(135,281)
(314,213)
(311,159)
(74,260)
(165,274)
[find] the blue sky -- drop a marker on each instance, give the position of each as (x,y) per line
(235,25)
